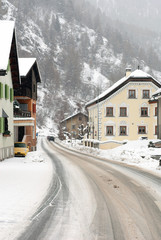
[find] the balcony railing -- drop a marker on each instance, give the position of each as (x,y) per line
(22,114)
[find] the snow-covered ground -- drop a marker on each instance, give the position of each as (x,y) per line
(24,181)
(23,185)
(134,153)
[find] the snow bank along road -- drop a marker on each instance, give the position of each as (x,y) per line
(93,199)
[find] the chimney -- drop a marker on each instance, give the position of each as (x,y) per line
(128,72)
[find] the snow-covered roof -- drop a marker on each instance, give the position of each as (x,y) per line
(157,93)
(25,64)
(6,35)
(137,74)
(75,114)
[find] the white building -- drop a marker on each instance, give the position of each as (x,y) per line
(9,75)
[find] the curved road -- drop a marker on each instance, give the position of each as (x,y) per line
(91,199)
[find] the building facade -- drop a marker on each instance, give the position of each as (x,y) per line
(73,126)
(157,96)
(25,103)
(9,74)
(124,111)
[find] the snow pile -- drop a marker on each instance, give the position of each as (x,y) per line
(134,153)
(22,188)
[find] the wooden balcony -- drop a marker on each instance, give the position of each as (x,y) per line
(22,114)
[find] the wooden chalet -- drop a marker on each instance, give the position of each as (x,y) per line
(25,102)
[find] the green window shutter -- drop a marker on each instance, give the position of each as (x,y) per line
(8,67)
(1,125)
(1,90)
(6,91)
(11,94)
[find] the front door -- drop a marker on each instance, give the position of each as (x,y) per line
(21,132)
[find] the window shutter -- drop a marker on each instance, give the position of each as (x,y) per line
(1,90)
(6,91)
(11,94)
(34,108)
(8,67)
(1,125)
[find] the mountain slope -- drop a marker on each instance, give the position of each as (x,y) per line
(79,54)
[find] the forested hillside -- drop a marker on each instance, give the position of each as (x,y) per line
(79,49)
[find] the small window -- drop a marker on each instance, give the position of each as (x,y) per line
(109,130)
(146,94)
(123,131)
(24,106)
(142,130)
(109,111)
(80,118)
(132,94)
(144,112)
(123,112)
(73,126)
(156,130)
(156,111)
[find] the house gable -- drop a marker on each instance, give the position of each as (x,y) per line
(30,76)
(136,76)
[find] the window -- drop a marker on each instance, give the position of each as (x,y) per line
(123,131)
(73,126)
(80,118)
(123,112)
(142,130)
(24,106)
(144,112)
(109,130)
(109,111)
(156,130)
(146,94)
(156,111)
(132,94)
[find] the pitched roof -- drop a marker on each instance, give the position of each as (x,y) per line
(75,114)
(25,64)
(6,36)
(157,93)
(137,75)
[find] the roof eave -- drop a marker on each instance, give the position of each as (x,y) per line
(120,86)
(3,72)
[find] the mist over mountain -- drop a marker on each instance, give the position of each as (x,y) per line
(144,13)
(81,50)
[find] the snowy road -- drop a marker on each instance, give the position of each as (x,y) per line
(95,199)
